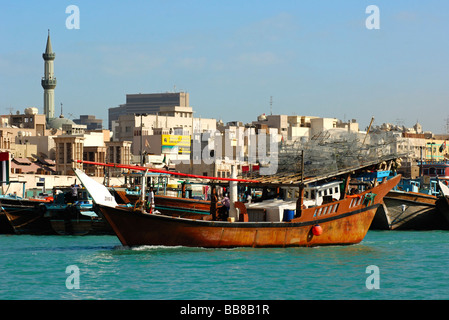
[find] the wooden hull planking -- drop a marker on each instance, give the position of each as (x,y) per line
(79,227)
(28,220)
(409,211)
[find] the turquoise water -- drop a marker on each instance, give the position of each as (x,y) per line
(411,265)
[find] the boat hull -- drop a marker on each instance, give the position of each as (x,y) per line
(5,225)
(443,207)
(136,229)
(409,211)
(70,220)
(342,222)
(81,227)
(27,219)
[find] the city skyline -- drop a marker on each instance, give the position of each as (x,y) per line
(315,59)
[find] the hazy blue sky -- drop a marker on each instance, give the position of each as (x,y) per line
(314,58)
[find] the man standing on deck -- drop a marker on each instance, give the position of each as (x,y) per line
(226,204)
(151,200)
(74,191)
(213,202)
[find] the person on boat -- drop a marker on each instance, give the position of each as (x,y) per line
(74,191)
(224,214)
(213,202)
(151,200)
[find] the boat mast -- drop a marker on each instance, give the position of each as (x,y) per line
(233,193)
(300,201)
(144,184)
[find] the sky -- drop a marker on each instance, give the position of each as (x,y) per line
(312,58)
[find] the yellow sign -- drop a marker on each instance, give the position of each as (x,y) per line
(175,140)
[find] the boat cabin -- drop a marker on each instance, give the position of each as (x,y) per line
(273,210)
(315,195)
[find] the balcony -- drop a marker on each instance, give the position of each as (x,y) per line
(49,56)
(48,83)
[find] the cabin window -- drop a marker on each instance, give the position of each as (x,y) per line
(306,194)
(330,191)
(312,195)
(336,189)
(325,192)
(320,193)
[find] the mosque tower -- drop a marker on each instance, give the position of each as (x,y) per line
(49,81)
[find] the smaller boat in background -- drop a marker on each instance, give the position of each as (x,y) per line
(77,218)
(412,205)
(5,225)
(25,215)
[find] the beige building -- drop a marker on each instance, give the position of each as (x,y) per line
(165,104)
(95,154)
(129,126)
(25,135)
(216,169)
(280,122)
(118,152)
(68,148)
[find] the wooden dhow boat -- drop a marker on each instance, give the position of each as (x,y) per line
(406,210)
(413,205)
(25,215)
(334,222)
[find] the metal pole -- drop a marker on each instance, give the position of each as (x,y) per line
(141,140)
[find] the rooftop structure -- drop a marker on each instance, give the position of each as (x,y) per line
(164,104)
(90,121)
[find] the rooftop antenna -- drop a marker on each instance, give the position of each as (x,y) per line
(271,105)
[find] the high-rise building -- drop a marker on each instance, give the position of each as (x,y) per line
(49,81)
(90,121)
(163,104)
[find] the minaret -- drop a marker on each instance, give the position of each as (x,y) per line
(49,81)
